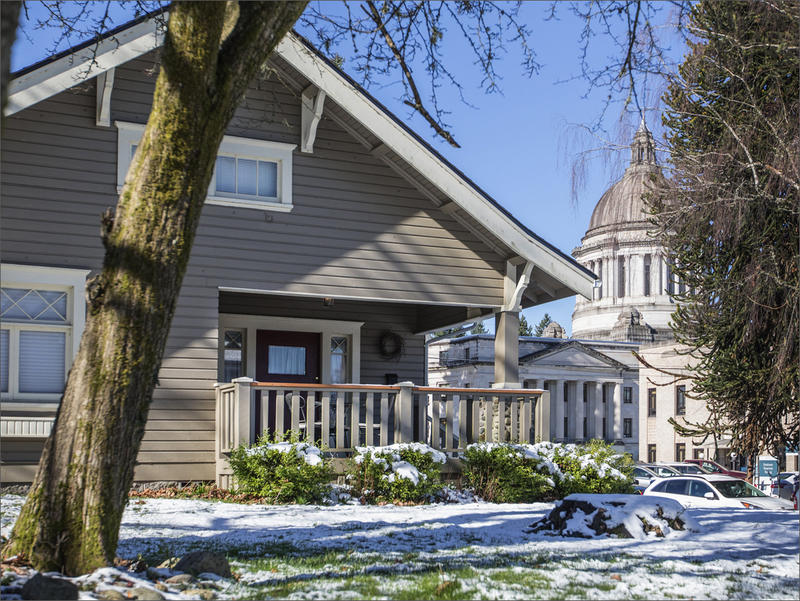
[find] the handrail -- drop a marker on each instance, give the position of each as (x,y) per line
(442,389)
(501,391)
(313,386)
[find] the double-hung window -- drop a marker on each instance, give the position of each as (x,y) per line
(42,315)
(248,173)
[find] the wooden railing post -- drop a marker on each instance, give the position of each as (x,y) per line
(404,413)
(542,429)
(243,403)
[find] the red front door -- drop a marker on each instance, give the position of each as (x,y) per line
(284,357)
(287,356)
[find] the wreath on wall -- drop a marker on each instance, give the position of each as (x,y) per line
(390,345)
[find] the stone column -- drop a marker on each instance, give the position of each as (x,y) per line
(557,408)
(617,410)
(599,410)
(506,350)
(580,410)
(636,266)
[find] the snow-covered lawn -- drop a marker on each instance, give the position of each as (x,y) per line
(473,550)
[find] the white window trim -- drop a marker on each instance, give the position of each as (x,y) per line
(44,278)
(325,327)
(129,134)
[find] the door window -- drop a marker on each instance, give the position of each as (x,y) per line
(287,360)
(676,487)
(698,489)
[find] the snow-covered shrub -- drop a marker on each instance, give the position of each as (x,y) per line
(594,467)
(402,472)
(509,473)
(523,473)
(282,471)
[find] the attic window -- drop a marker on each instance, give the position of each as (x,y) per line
(248,173)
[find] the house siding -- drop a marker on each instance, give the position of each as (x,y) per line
(357,229)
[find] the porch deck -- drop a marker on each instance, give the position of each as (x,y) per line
(343,416)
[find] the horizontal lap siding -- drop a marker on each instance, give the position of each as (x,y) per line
(357,229)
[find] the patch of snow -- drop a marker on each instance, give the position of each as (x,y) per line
(310,454)
(403,469)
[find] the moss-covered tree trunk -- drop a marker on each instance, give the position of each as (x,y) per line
(71,519)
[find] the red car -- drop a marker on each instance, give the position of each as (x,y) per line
(716,468)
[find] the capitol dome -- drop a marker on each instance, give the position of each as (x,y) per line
(623,203)
(632,301)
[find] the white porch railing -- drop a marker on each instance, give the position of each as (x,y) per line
(343,416)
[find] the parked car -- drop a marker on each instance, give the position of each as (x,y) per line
(712,491)
(783,485)
(686,468)
(662,470)
(715,468)
(643,476)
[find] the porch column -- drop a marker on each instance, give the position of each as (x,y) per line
(506,350)
(599,410)
(580,410)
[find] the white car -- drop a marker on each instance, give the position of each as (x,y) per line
(711,491)
(643,476)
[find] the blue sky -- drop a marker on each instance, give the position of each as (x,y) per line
(519,146)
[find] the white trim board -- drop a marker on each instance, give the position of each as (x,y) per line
(143,37)
(352,297)
(59,75)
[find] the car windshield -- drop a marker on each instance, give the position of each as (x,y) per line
(715,469)
(664,471)
(738,489)
(690,468)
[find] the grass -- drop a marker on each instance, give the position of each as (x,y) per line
(285,572)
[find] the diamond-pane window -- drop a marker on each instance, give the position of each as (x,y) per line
(20,304)
(233,359)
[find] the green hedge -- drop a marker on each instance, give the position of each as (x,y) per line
(403,472)
(524,473)
(282,471)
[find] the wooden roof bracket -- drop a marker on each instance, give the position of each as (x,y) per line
(105,85)
(312,102)
(514,287)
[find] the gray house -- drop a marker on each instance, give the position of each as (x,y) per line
(333,238)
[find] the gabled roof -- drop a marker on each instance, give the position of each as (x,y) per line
(559,347)
(64,70)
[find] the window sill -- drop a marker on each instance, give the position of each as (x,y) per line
(32,406)
(242,203)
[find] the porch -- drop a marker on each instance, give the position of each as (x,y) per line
(343,416)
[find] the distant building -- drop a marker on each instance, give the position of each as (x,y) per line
(594,385)
(665,396)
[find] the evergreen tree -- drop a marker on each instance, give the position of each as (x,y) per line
(729,218)
(524,327)
(543,323)
(478,328)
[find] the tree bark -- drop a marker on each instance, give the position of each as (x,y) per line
(70,521)
(9,18)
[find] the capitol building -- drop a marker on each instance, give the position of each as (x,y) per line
(593,377)
(598,388)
